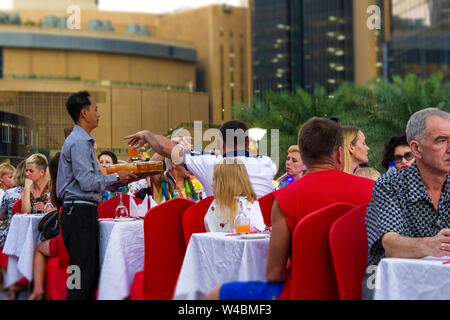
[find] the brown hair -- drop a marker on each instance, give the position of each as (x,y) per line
(318,139)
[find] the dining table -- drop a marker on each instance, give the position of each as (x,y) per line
(20,245)
(413,279)
(216,257)
(121,252)
(121,247)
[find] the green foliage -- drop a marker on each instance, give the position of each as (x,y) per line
(381,109)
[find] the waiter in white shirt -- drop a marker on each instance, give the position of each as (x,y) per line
(235,143)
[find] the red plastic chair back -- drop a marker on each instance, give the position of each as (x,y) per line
(348,244)
(107,209)
(313,276)
(266,203)
(164,248)
(17,207)
(193,218)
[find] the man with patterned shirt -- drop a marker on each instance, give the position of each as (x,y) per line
(409,214)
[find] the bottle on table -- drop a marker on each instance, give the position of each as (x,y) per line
(242,220)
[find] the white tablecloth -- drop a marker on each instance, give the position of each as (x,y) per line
(413,279)
(20,244)
(212,258)
(121,256)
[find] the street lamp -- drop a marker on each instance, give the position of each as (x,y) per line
(256,134)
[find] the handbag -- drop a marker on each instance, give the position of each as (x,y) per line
(49,225)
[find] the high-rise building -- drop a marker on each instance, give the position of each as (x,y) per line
(420,37)
(310,43)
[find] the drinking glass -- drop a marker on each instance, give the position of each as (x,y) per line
(121,210)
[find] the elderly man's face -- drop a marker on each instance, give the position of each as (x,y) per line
(435,151)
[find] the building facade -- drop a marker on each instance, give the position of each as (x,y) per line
(420,37)
(311,43)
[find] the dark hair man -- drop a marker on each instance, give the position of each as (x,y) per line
(321,146)
(235,143)
(80,186)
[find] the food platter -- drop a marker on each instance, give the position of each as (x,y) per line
(141,175)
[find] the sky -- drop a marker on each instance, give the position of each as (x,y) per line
(152,6)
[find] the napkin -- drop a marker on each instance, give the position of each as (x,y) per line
(138,210)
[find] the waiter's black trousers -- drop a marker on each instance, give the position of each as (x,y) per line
(79,229)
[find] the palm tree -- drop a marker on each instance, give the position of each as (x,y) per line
(380,109)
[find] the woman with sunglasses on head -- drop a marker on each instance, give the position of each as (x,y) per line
(397,150)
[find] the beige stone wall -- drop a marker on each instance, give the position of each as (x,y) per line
(123,110)
(216,35)
(97,66)
(365,42)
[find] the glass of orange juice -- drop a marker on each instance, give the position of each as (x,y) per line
(111,169)
(132,167)
(133,153)
(242,229)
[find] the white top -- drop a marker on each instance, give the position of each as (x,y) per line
(214,223)
(260,169)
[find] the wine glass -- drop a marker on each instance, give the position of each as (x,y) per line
(121,210)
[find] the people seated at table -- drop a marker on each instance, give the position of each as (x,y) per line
(36,192)
(261,169)
(49,247)
(367,172)
(409,214)
(230,180)
(355,148)
(295,168)
(397,150)
(321,144)
(6,178)
(9,198)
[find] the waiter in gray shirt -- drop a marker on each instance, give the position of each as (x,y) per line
(80,186)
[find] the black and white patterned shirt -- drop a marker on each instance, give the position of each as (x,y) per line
(400,203)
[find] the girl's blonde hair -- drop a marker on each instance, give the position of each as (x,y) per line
(350,137)
(294,149)
(39,160)
(232,180)
(5,168)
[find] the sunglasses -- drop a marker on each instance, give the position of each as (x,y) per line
(407,156)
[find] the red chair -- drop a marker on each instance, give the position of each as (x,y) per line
(164,251)
(193,218)
(17,207)
(313,275)
(348,244)
(107,209)
(266,203)
(56,272)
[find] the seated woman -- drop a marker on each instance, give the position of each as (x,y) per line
(106,159)
(295,169)
(175,182)
(6,175)
(397,150)
(9,198)
(36,193)
(355,149)
(47,248)
(230,180)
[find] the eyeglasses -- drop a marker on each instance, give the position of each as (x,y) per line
(407,156)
